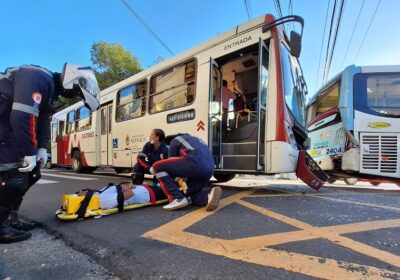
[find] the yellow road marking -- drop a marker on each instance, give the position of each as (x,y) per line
(253,249)
(318,232)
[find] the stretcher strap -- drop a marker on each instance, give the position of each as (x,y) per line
(152,194)
(120,198)
(84,204)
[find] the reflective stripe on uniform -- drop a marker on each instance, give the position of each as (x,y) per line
(8,166)
(142,154)
(161,174)
(185,143)
(26,109)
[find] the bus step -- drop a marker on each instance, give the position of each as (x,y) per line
(233,149)
(239,162)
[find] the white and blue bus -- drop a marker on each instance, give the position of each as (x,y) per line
(354,125)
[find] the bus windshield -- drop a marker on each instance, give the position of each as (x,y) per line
(378,94)
(294,86)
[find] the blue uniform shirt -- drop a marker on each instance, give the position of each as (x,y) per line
(149,155)
(26,94)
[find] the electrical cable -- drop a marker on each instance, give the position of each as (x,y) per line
(147,27)
(323,40)
(339,20)
(369,25)
(329,41)
(352,33)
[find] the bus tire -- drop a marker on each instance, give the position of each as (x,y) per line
(88,169)
(375,184)
(350,181)
(123,170)
(49,165)
(224,177)
(76,162)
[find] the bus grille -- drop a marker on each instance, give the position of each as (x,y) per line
(379,153)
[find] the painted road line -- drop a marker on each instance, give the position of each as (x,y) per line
(330,235)
(174,233)
(44,181)
(355,202)
(68,177)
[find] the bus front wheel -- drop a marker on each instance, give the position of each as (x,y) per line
(76,162)
(224,177)
(350,181)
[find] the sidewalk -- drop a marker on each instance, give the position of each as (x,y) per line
(46,257)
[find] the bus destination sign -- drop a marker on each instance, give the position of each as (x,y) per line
(181,116)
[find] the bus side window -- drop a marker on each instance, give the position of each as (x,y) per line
(173,88)
(60,132)
(329,100)
(84,119)
(70,122)
(131,102)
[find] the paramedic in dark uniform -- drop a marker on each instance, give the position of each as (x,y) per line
(27,94)
(153,151)
(188,157)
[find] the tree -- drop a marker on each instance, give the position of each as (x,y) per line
(113,63)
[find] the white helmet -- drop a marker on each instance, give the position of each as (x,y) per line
(74,77)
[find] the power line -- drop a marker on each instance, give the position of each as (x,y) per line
(290,12)
(322,43)
(279,11)
(329,41)
(146,26)
(247,7)
(369,25)
(342,4)
(352,33)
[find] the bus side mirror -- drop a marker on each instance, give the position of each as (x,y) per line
(295,44)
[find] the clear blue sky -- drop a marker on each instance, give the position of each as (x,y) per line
(51,32)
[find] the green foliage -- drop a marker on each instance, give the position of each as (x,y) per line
(62,102)
(113,63)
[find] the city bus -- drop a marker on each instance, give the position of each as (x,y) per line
(354,125)
(265,128)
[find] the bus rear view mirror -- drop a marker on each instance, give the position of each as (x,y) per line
(295,44)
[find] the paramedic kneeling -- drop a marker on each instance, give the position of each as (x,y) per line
(133,194)
(189,157)
(153,151)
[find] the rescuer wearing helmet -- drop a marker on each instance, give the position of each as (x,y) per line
(27,94)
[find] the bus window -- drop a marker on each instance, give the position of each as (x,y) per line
(84,119)
(131,102)
(293,87)
(70,122)
(174,88)
(329,99)
(53,132)
(103,121)
(60,131)
(378,94)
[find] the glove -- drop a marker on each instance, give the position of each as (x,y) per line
(42,156)
(29,164)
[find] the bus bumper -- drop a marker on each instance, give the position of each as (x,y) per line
(309,171)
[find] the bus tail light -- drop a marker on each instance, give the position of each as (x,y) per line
(309,171)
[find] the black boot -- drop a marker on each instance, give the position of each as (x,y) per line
(137,178)
(19,224)
(9,235)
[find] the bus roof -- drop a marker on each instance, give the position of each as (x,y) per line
(225,36)
(68,109)
(354,69)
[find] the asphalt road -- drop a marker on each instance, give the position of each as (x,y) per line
(264,229)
